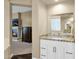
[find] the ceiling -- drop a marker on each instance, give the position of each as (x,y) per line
(48,2)
(20,9)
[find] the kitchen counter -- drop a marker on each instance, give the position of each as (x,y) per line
(58,38)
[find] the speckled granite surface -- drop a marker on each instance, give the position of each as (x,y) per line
(58,38)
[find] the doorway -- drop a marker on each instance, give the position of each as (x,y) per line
(21,29)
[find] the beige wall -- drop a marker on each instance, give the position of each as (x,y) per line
(14,15)
(42,16)
(35,35)
(26,19)
(39,25)
(6,24)
(6,28)
(63,7)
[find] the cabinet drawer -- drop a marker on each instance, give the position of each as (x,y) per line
(43,49)
(69,55)
(69,48)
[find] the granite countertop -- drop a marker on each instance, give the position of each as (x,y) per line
(58,38)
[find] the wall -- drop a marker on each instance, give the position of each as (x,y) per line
(26,19)
(6,23)
(14,15)
(39,25)
(6,29)
(35,35)
(42,11)
(60,8)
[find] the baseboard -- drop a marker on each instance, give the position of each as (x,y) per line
(11,55)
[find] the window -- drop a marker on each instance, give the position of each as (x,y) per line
(55,24)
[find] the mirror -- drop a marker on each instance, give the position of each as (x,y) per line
(61,23)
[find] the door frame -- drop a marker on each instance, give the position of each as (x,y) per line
(11,22)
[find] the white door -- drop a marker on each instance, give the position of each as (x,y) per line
(52,49)
(43,49)
(60,50)
(69,50)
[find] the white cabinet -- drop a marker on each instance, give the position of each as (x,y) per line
(60,50)
(69,50)
(55,50)
(50,49)
(43,49)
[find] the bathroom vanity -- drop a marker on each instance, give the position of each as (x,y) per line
(59,43)
(53,47)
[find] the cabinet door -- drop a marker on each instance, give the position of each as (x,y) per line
(69,50)
(43,49)
(60,50)
(52,49)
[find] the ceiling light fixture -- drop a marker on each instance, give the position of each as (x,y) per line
(56,0)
